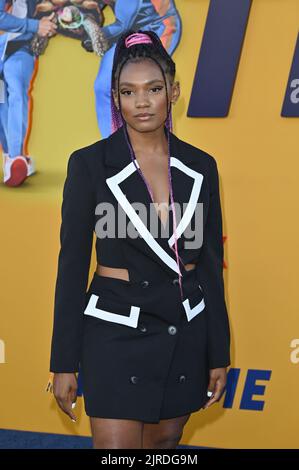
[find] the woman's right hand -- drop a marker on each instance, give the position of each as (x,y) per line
(46,27)
(65,387)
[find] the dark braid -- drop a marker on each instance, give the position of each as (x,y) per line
(137,53)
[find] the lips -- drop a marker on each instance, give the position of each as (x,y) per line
(144,117)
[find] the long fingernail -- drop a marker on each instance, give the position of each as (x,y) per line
(73,420)
(209,394)
(73,405)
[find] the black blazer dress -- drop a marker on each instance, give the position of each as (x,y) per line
(143,351)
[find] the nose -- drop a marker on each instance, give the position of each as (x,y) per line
(141,100)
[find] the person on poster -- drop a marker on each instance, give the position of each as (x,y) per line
(16,68)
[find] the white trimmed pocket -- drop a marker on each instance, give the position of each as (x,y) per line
(194,304)
(112,316)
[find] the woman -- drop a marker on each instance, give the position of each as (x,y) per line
(151,334)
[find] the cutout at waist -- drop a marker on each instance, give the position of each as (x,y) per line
(123,273)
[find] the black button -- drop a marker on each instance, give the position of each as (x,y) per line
(142,328)
(175,281)
(145,283)
(172,330)
(182,379)
(133,379)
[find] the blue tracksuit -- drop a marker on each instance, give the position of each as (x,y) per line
(15,74)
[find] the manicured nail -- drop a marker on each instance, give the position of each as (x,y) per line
(209,394)
(73,405)
(73,420)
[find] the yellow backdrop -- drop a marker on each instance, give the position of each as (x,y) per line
(257,154)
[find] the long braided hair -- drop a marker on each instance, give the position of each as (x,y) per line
(135,46)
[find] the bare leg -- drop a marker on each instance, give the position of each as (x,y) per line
(116,433)
(164,435)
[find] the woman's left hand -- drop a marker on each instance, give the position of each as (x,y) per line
(216,385)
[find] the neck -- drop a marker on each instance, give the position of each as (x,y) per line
(151,142)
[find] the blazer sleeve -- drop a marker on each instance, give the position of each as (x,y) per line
(210,271)
(76,238)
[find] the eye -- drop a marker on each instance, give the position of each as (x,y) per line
(124,92)
(157,88)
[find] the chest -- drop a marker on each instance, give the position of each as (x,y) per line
(130,211)
(155,174)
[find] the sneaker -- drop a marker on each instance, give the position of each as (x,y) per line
(15,170)
(31,165)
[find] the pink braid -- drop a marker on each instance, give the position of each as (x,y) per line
(137,38)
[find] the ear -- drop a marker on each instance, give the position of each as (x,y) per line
(175,92)
(114,97)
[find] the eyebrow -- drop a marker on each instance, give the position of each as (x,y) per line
(147,83)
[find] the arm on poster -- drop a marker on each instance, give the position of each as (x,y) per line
(125,14)
(13,24)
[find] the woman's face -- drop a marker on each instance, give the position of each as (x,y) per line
(142,91)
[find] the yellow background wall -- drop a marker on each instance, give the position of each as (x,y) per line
(257,155)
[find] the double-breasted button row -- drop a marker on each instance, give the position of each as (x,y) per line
(134,379)
(172,330)
(142,328)
(146,283)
